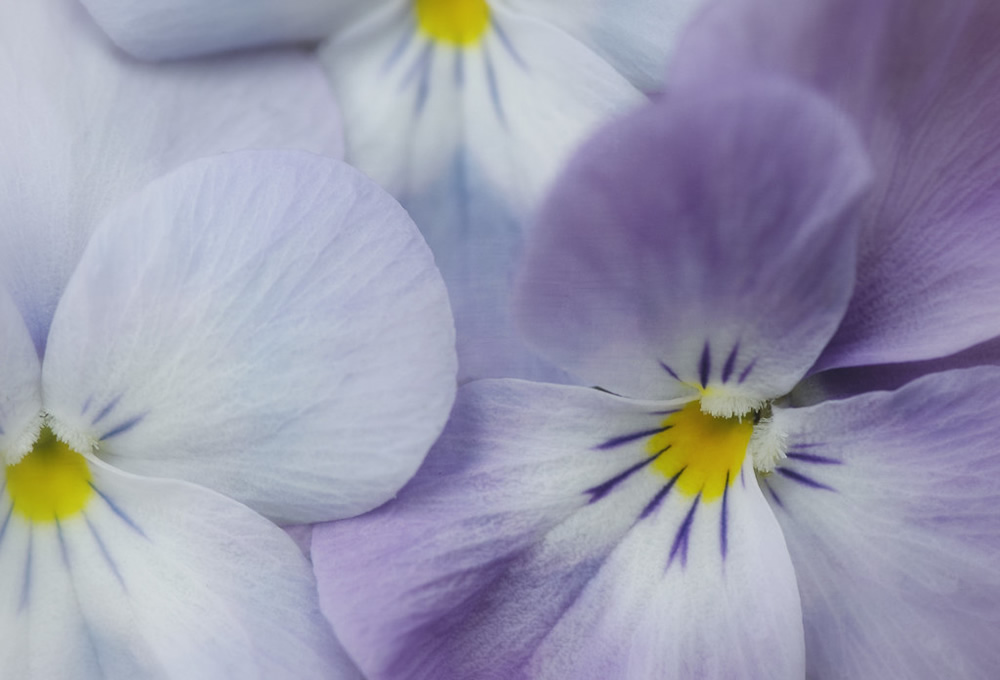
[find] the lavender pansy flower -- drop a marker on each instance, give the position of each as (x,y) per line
(462,109)
(917,78)
(696,257)
(253,337)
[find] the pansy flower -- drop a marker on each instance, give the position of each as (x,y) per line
(696,261)
(252,338)
(462,109)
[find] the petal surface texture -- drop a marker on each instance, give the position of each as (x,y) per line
(20,382)
(90,126)
(267,324)
(706,240)
(158,579)
(636,36)
(469,138)
(888,502)
(917,78)
(537,543)
(166,29)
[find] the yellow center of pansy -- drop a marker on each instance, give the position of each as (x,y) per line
(454,22)
(52,482)
(707,452)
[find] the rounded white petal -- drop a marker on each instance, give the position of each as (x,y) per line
(267,324)
(159,579)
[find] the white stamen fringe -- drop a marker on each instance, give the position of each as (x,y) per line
(25,441)
(768,445)
(728,405)
(78,441)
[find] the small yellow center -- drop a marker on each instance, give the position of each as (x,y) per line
(51,483)
(706,451)
(454,22)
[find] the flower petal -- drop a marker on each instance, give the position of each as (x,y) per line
(538,542)
(916,79)
(267,324)
(167,29)
(89,127)
(158,579)
(889,505)
(707,240)
(20,382)
(636,36)
(469,139)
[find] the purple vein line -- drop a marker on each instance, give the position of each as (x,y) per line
(803,479)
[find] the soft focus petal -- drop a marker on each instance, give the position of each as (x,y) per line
(636,36)
(519,99)
(889,505)
(469,139)
(20,383)
(706,240)
(845,382)
(537,95)
(267,324)
(536,543)
(158,579)
(477,243)
(158,29)
(84,127)
(918,79)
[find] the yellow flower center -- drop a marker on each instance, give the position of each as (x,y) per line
(454,22)
(707,452)
(52,482)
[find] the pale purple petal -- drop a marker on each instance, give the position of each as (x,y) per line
(889,505)
(707,240)
(919,80)
(538,542)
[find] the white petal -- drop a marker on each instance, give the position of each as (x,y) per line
(267,324)
(636,36)
(469,139)
(534,94)
(158,579)
(85,127)
(158,29)
(20,383)
(402,110)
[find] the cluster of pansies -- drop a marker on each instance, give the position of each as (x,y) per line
(500,339)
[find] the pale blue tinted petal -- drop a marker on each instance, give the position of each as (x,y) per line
(469,139)
(84,126)
(707,240)
(20,382)
(917,78)
(267,324)
(537,542)
(636,36)
(158,579)
(889,503)
(166,29)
